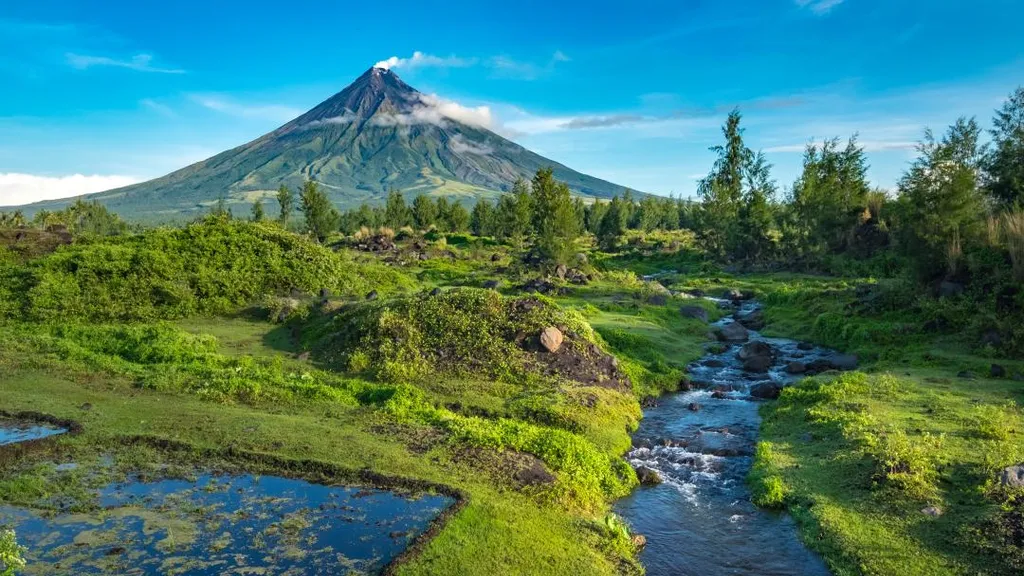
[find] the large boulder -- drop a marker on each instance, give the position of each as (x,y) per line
(755,349)
(733,332)
(759,364)
(657,299)
(695,312)
(766,390)
(753,320)
(551,339)
(648,476)
(1012,476)
(795,367)
(560,271)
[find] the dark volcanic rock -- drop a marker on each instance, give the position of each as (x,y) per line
(755,349)
(766,390)
(733,332)
(997,371)
(648,476)
(758,364)
(796,367)
(694,312)
(372,295)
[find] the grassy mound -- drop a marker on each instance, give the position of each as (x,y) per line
(211,266)
(464,332)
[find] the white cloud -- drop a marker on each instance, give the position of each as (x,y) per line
(139,62)
(17,189)
(819,7)
(867,145)
(434,110)
(157,107)
(419,59)
(506,67)
(274,112)
(459,144)
(347,118)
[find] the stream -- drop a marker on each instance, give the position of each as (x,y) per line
(699,520)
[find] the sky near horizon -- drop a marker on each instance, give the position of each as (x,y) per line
(96,95)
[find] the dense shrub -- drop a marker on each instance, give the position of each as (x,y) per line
(462,331)
(211,266)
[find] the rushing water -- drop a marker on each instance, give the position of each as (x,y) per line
(14,431)
(226,525)
(699,521)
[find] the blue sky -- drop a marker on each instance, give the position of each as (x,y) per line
(98,94)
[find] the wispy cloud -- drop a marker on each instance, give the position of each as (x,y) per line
(162,109)
(867,145)
(819,7)
(274,112)
(459,144)
(420,60)
(17,189)
(507,67)
(432,109)
(139,63)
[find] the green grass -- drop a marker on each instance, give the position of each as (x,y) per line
(500,530)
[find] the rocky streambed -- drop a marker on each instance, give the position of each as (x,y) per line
(694,449)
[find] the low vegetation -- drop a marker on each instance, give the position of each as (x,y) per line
(405,339)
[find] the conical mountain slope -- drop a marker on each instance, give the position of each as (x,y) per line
(379,133)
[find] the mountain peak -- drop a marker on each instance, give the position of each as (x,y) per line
(378,90)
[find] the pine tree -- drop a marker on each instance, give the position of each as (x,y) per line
(424,212)
(321,217)
(554,218)
(458,218)
(444,209)
(831,193)
(396,213)
(612,226)
(1005,163)
(595,212)
(481,221)
(257,211)
(940,199)
(758,236)
(721,192)
(286,201)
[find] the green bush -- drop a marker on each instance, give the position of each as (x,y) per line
(462,331)
(212,266)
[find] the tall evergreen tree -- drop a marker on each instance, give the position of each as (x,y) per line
(321,217)
(554,218)
(721,192)
(444,209)
(424,212)
(396,213)
(481,221)
(594,213)
(758,236)
(1005,163)
(286,202)
(612,226)
(940,198)
(457,218)
(257,211)
(831,193)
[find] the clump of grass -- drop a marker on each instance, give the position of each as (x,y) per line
(993,422)
(768,488)
(905,464)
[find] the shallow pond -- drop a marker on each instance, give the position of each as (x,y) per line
(253,525)
(14,431)
(699,520)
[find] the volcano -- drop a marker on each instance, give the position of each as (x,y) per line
(377,134)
